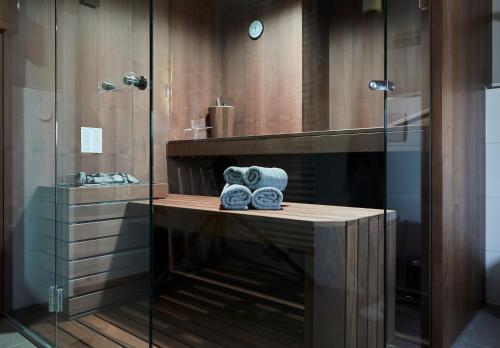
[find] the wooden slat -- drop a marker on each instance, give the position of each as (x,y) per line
(339,141)
(92,212)
(84,267)
(362,293)
(80,286)
(113,332)
(391,281)
(383,315)
(171,325)
(140,329)
(329,295)
(104,211)
(106,228)
(99,194)
(108,245)
(100,299)
(373,258)
(351,275)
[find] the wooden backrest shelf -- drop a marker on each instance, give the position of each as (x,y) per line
(405,138)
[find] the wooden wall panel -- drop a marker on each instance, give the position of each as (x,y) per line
(8,15)
(315,65)
(263,78)
(356,58)
(96,45)
(461,43)
(195,63)
(162,72)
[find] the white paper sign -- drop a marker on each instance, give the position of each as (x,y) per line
(91,140)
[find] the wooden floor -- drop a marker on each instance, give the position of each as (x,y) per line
(192,313)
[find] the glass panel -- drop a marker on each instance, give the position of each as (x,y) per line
(103,171)
(30,167)
(293,96)
(408,120)
(79,214)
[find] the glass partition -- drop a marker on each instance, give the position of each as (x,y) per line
(288,84)
(84,97)
(126,116)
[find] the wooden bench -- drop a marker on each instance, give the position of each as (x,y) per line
(344,260)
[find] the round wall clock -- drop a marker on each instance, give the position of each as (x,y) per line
(255,29)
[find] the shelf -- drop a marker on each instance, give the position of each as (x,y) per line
(403,138)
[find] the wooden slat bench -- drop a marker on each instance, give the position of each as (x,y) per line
(344,260)
(102,242)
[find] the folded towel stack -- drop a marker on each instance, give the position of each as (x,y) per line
(267,185)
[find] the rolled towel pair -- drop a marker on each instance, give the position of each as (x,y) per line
(267,184)
(256,177)
(238,197)
(235,197)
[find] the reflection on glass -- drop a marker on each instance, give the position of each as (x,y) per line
(344,260)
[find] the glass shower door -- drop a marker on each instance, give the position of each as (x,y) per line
(103,171)
(407,125)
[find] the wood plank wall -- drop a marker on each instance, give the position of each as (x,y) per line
(356,58)
(315,65)
(7,15)
(263,78)
(195,63)
(95,45)
(461,64)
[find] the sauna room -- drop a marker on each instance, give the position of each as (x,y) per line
(229,173)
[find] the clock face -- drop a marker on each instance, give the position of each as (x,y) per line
(255,29)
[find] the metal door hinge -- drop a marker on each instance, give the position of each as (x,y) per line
(56,298)
(378,85)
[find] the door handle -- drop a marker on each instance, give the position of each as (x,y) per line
(382,85)
(131,79)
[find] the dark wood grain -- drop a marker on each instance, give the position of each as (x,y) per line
(461,43)
(8,18)
(356,58)
(195,59)
(263,78)
(337,141)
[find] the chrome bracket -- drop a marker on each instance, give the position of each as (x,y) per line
(56,299)
(381,85)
